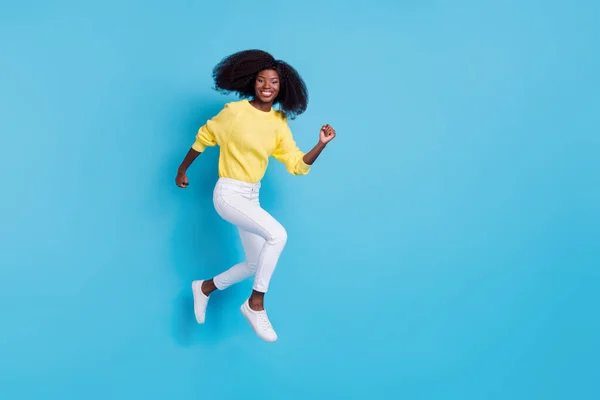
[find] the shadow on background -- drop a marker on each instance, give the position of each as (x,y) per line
(203,245)
(200,245)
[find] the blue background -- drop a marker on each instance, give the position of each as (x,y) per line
(445,246)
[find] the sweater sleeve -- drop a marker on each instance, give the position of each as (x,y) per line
(288,153)
(209,133)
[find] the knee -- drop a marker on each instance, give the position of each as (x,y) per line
(252,267)
(279,236)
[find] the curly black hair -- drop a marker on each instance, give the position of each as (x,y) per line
(237,73)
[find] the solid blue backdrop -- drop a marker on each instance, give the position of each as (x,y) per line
(445,246)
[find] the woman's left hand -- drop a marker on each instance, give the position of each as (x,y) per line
(327,134)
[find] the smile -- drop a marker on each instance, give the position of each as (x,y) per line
(267,93)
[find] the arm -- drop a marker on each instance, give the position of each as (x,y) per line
(310,157)
(181,179)
(326,135)
(296,162)
(206,137)
(190,157)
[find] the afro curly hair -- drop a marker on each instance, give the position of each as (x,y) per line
(237,73)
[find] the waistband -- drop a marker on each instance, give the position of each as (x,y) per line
(239,184)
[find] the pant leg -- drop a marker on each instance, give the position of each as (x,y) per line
(252,247)
(244,211)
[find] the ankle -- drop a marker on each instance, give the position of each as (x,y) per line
(257,301)
(256,306)
(208,287)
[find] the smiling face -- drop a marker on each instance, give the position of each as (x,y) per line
(266,86)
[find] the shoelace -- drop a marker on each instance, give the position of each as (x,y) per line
(264,321)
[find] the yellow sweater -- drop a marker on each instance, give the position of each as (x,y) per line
(247,137)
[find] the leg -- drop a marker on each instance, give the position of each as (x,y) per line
(264,271)
(202,289)
(252,246)
(249,216)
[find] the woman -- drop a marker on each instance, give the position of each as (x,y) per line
(248,132)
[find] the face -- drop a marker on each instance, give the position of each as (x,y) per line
(266,86)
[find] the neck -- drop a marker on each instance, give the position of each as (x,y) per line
(260,105)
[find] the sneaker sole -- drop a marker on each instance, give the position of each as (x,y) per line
(197,291)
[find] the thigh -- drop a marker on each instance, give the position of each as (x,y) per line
(252,244)
(249,216)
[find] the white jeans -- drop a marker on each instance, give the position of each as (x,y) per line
(263,238)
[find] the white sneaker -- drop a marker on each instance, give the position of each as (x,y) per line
(259,322)
(200,301)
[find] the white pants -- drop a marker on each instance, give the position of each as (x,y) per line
(263,238)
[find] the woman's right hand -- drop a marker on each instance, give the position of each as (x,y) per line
(181,180)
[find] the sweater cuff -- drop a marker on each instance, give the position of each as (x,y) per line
(303,168)
(199,147)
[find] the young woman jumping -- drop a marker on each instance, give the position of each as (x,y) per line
(248,132)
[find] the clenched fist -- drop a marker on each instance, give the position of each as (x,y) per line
(181,180)
(327,134)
